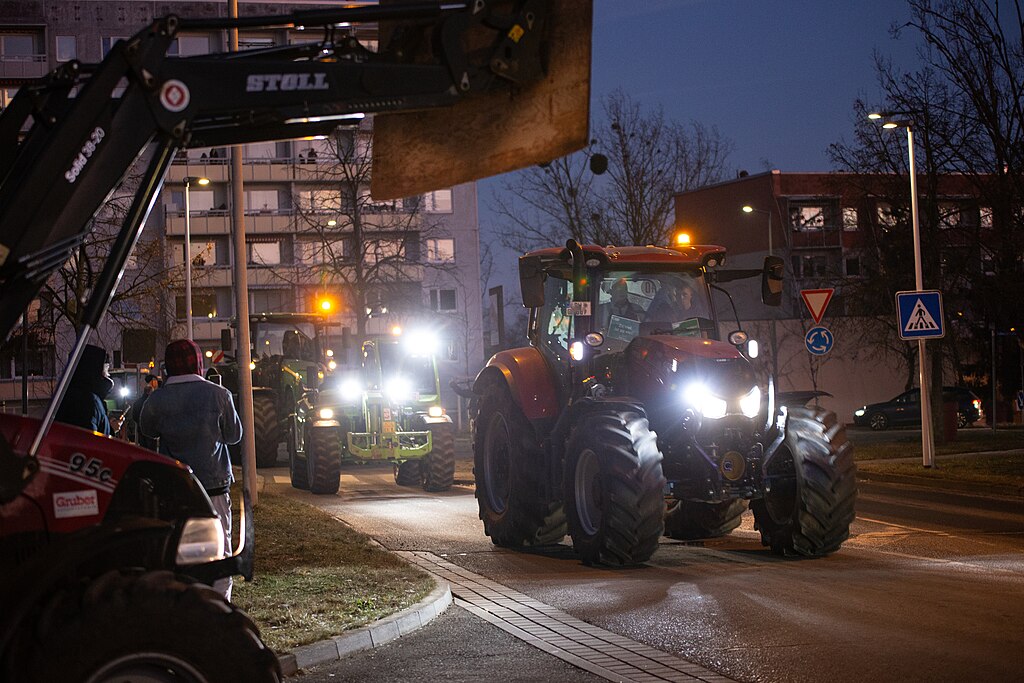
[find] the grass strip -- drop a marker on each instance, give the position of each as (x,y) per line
(315,577)
(983,469)
(908,444)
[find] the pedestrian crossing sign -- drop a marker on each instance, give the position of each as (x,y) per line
(919,314)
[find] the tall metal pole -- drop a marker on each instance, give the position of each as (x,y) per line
(927,437)
(244,357)
(188,261)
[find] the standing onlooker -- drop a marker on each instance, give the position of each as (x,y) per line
(135,412)
(195,421)
(83,404)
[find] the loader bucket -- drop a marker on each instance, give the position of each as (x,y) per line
(496,132)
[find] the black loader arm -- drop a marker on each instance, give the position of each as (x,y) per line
(70,139)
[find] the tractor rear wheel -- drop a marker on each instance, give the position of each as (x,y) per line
(509,467)
(266,428)
(689,520)
(408,473)
(298,470)
(614,488)
(149,626)
(438,467)
(323,460)
(811,487)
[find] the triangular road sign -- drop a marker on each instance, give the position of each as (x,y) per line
(817,301)
(920,319)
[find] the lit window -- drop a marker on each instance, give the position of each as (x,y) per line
(189,46)
(438,201)
(949,215)
(440,250)
(380,250)
(849,218)
(807,217)
(985,216)
(261,200)
(265,253)
(887,215)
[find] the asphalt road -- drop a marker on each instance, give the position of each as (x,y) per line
(929,587)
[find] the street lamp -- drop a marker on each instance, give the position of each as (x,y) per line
(891,120)
(747,208)
(188,251)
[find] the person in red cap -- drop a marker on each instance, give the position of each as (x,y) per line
(195,421)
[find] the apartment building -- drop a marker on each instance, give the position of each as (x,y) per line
(301,202)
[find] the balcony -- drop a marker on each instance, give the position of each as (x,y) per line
(819,238)
(24,66)
(218,222)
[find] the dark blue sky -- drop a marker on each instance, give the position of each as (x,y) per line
(777,77)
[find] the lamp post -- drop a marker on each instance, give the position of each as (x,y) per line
(747,208)
(188,251)
(927,437)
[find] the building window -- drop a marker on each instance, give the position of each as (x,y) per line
(270,300)
(264,253)
(888,216)
(438,201)
(949,215)
(203,253)
(189,46)
(20,47)
(442,300)
(810,265)
(67,48)
(985,217)
(807,216)
(262,201)
(6,95)
(849,218)
(441,250)
(319,201)
(381,250)
(107,42)
(200,202)
(204,305)
(254,41)
(852,264)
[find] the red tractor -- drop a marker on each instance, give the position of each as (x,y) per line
(628,417)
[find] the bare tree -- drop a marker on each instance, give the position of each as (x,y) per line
(370,252)
(649,159)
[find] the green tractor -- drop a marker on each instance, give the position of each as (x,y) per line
(389,410)
(288,357)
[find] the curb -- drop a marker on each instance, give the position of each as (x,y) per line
(376,634)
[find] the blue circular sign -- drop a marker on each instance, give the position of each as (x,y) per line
(819,340)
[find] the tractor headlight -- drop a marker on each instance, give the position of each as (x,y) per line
(421,343)
(124,392)
(332,365)
(350,391)
(435,411)
(398,390)
(750,405)
(326,414)
(202,540)
(703,401)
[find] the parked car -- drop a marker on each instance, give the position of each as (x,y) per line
(905,409)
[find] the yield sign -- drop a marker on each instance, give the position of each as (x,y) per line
(817,301)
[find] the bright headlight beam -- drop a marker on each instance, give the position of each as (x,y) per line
(326,413)
(750,405)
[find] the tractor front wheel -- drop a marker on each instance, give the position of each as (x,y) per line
(614,488)
(151,626)
(323,460)
(438,467)
(266,428)
(810,487)
(509,467)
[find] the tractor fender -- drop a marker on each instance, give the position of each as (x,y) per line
(529,380)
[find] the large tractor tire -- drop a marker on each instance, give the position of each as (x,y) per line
(614,488)
(408,473)
(148,626)
(438,467)
(689,520)
(509,467)
(266,428)
(808,507)
(298,469)
(323,460)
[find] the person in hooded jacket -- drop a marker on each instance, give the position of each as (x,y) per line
(83,405)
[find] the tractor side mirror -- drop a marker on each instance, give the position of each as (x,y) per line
(771,280)
(531,281)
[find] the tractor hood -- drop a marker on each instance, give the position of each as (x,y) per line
(659,369)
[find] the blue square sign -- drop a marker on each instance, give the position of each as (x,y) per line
(919,314)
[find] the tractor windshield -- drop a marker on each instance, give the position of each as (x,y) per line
(396,361)
(288,340)
(631,303)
